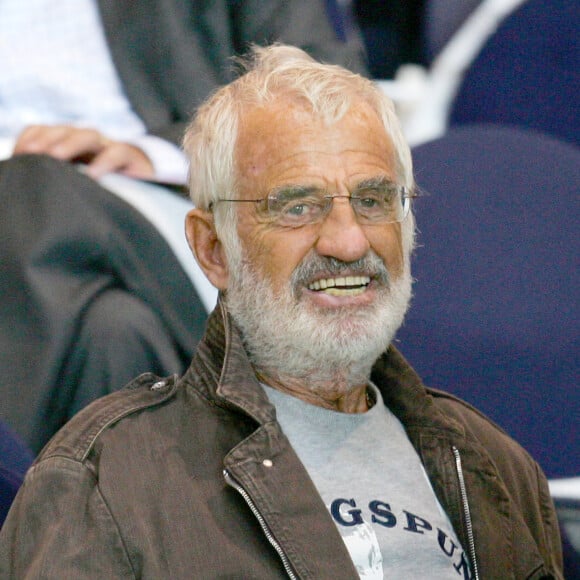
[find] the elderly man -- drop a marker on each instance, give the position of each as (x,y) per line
(299,443)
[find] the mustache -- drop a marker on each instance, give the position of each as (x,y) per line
(315,266)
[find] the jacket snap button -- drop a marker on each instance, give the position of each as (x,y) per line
(158,385)
(267,463)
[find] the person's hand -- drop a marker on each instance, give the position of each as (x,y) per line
(88,146)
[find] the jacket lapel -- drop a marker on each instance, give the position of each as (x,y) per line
(266,466)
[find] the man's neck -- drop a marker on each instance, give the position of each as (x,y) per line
(335,394)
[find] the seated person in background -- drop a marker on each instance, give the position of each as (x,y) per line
(112,84)
(299,443)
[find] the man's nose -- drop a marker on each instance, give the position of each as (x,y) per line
(340,235)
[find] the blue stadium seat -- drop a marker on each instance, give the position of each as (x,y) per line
(15,458)
(528,72)
(494,317)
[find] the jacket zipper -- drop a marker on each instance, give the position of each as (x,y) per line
(270,537)
(466,512)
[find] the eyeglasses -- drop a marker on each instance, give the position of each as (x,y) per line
(300,206)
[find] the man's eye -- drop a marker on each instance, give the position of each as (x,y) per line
(301,208)
(296,209)
(369,202)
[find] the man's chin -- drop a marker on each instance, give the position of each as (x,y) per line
(351,326)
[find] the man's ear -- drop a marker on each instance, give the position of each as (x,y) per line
(206,247)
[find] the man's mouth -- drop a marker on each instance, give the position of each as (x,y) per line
(341,286)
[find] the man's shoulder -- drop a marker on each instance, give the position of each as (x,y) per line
(462,410)
(76,439)
(482,430)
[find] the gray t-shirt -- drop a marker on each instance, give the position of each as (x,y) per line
(376,489)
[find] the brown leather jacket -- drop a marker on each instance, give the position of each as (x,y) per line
(193,478)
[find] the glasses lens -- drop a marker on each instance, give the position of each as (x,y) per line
(295,210)
(383,204)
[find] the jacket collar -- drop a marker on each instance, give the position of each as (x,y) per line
(407,397)
(226,374)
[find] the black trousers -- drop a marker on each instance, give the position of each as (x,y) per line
(90,296)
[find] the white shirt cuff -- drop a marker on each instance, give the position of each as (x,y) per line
(169,161)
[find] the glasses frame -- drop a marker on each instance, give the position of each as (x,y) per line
(405,193)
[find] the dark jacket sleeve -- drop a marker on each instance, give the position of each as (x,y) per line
(169,68)
(302,23)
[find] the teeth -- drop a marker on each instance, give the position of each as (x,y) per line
(341,286)
(345,291)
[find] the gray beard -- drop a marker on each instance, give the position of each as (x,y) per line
(285,337)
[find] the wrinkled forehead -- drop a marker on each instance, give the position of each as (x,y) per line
(277,115)
(285,137)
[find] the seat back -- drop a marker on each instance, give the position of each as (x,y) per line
(494,316)
(15,458)
(528,72)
